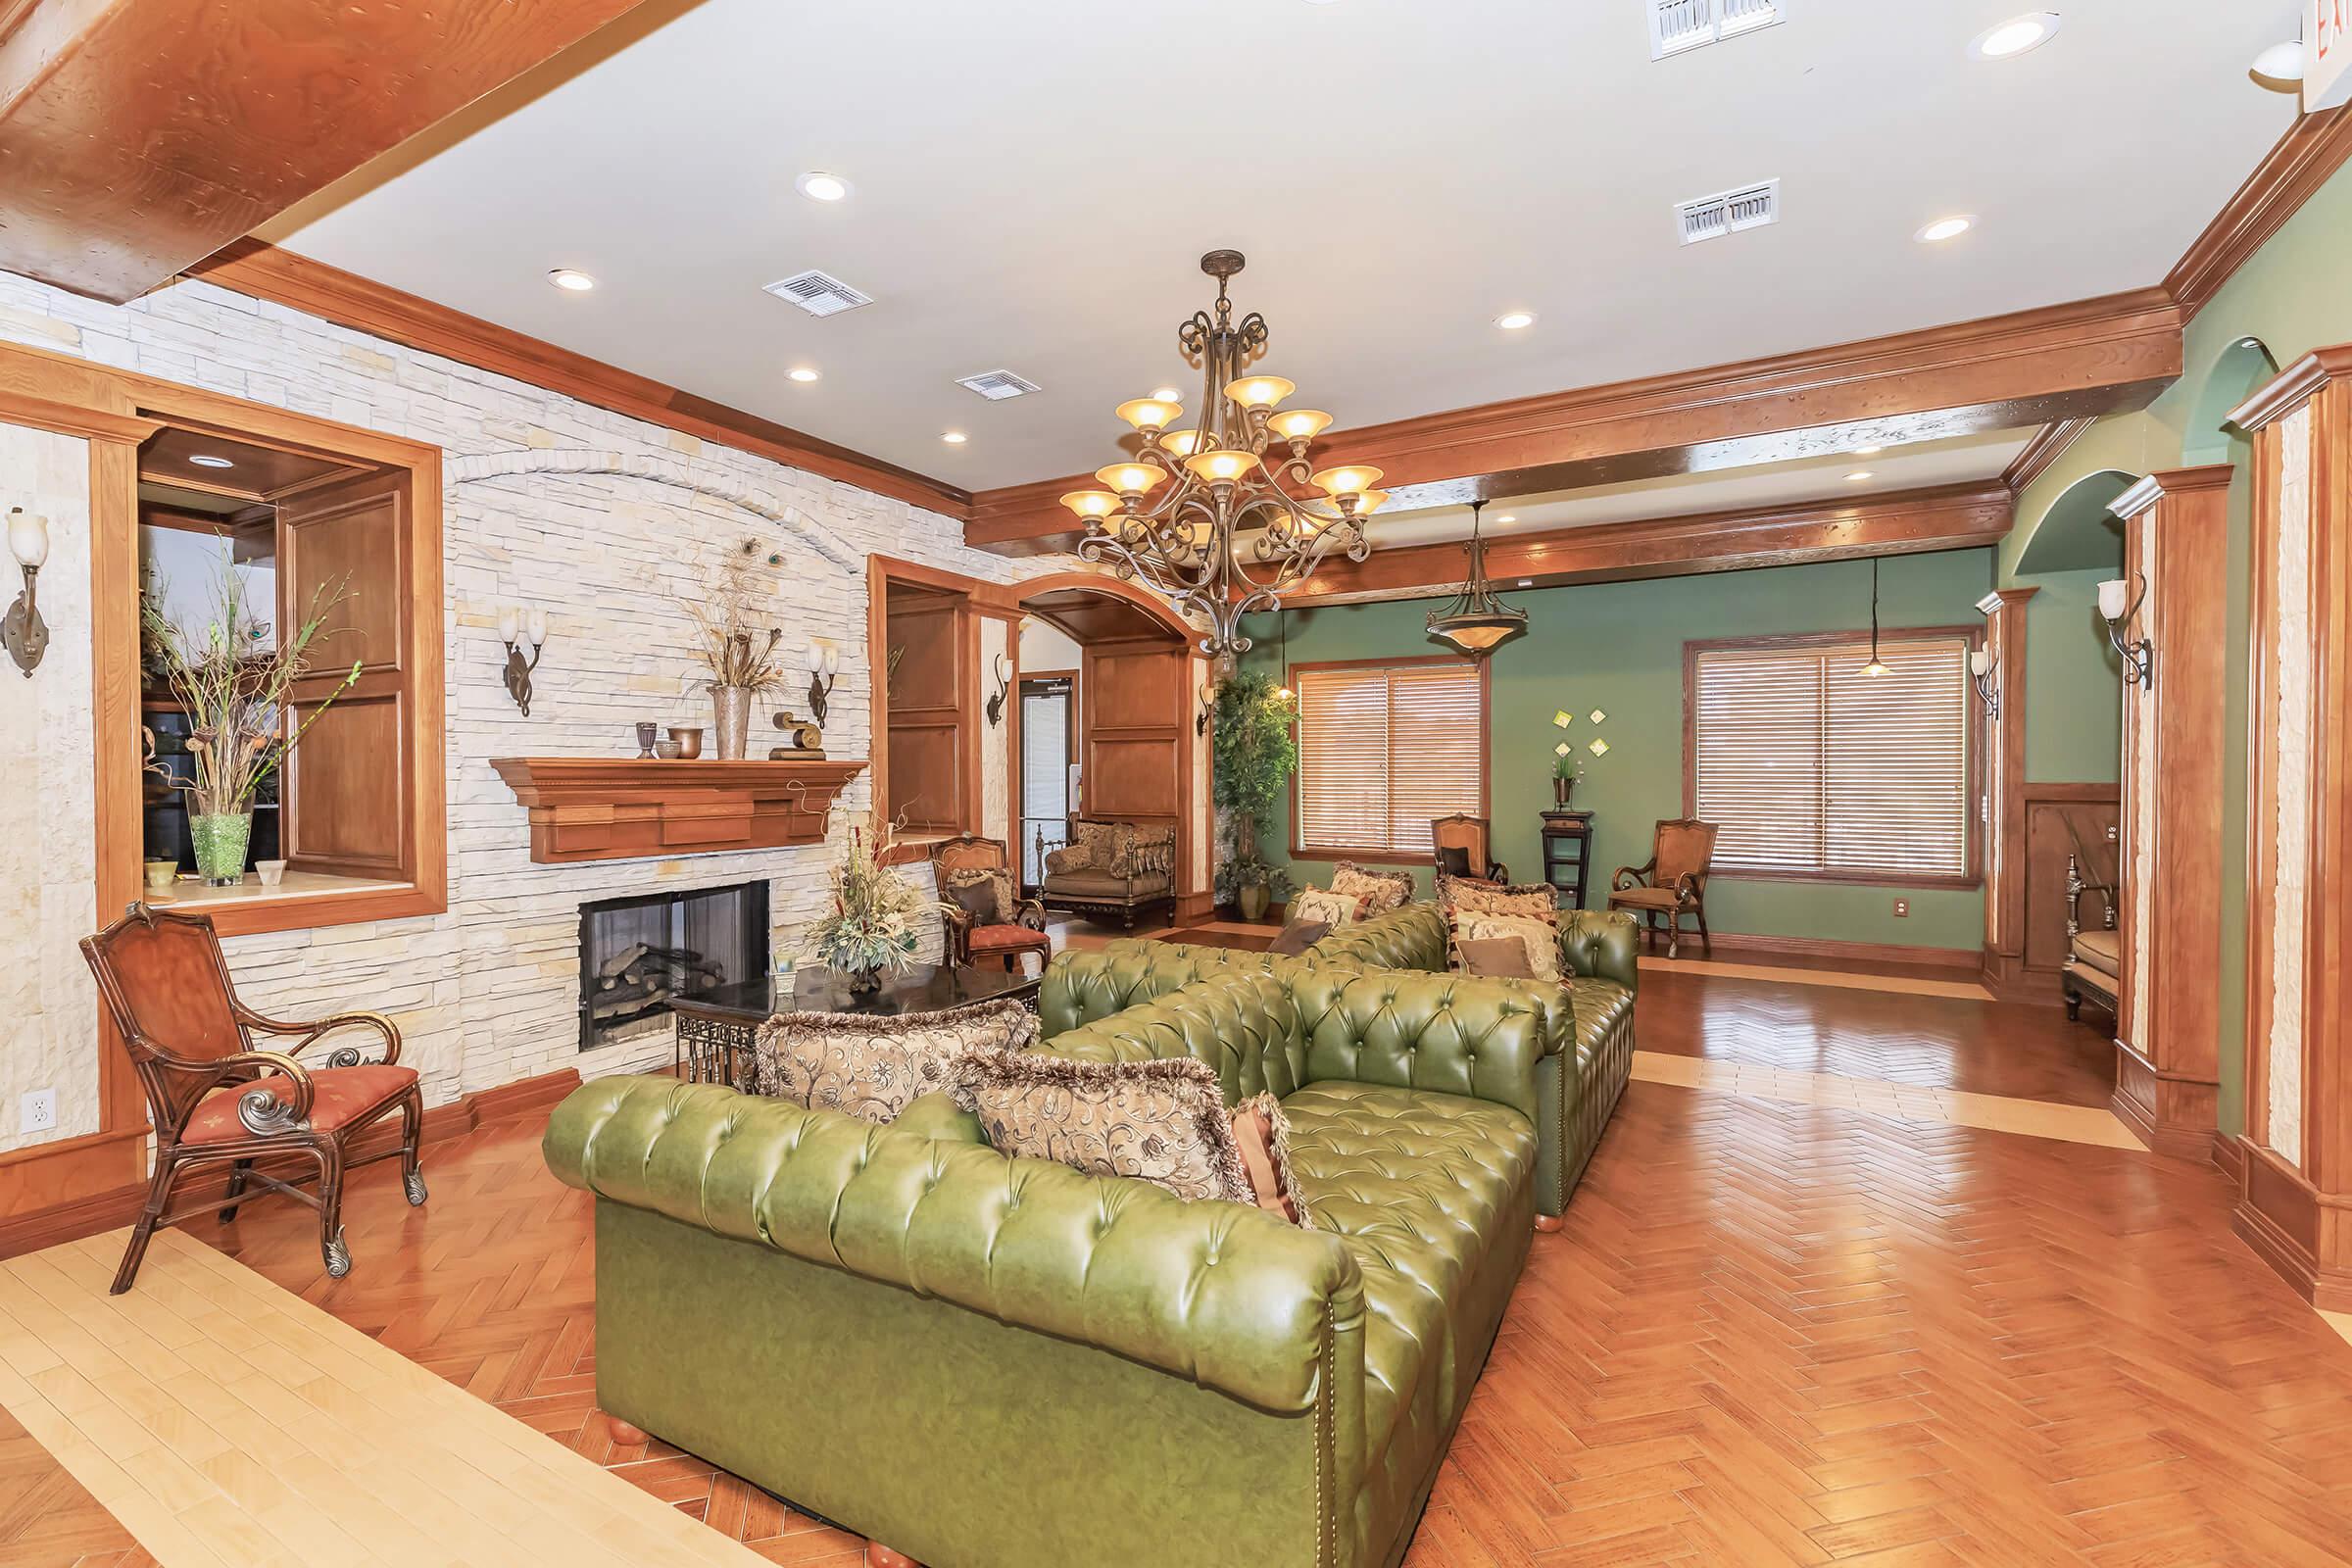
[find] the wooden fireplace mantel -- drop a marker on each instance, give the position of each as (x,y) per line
(619,808)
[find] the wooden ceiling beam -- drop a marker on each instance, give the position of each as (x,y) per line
(137,136)
(2058,363)
(1908,523)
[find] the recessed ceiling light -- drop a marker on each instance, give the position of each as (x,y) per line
(577,282)
(1168,394)
(1527,582)
(1858,476)
(1507,518)
(800,372)
(1945,228)
(1515,321)
(954,438)
(2281,63)
(1868,452)
(2015,36)
(820,186)
(205,460)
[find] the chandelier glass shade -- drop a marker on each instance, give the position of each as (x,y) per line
(1478,618)
(1224,516)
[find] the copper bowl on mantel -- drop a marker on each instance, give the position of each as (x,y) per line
(689,740)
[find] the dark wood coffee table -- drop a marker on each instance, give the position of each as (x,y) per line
(715,1026)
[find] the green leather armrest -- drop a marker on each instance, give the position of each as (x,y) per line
(1462,1036)
(1223,1294)
(1081,987)
(1413,936)
(1242,1024)
(1604,945)
(937,1116)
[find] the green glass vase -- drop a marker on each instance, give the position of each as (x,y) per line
(221,843)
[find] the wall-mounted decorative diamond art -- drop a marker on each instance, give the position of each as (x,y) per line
(1600,746)
(1563,749)
(1598,716)
(1561,718)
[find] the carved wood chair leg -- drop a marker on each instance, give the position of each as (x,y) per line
(1706,940)
(159,1193)
(1674,935)
(412,1134)
(236,1187)
(330,1212)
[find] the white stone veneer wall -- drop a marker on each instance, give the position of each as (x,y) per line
(2291,771)
(551,504)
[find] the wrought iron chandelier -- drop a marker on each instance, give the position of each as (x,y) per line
(1243,467)
(1478,618)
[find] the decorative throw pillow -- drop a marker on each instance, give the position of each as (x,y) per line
(1262,1136)
(983,892)
(1163,1121)
(872,1067)
(1109,846)
(1539,937)
(1460,896)
(1333,909)
(1453,860)
(1495,957)
(1380,891)
(1298,936)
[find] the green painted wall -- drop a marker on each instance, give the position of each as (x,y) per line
(2073,682)
(1618,647)
(2290,299)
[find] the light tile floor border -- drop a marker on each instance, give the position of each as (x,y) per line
(2035,1118)
(228,1422)
(1838,979)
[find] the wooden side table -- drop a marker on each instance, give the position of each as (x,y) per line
(1568,852)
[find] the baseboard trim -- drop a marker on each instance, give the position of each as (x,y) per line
(1967,961)
(2285,1219)
(2230,1159)
(116,1206)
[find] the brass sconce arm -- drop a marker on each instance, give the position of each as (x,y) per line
(2138,656)
(24,633)
(521,631)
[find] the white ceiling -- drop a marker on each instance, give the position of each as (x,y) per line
(1035,181)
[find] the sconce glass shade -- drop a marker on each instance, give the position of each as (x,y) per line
(1980,662)
(832,661)
(534,626)
(28,537)
(2113,599)
(510,626)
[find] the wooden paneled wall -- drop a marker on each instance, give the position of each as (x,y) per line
(1137,732)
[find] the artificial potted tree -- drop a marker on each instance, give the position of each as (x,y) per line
(1254,757)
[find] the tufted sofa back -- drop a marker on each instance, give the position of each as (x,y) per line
(1408,1029)
(1084,985)
(1410,937)
(1242,1023)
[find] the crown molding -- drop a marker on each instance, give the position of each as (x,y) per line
(263,271)
(2291,388)
(2044,452)
(2313,148)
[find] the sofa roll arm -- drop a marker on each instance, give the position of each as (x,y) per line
(1223,1294)
(1602,945)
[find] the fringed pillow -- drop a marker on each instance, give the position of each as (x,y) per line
(873,1068)
(1161,1121)
(1263,1136)
(1380,891)
(1463,894)
(1538,935)
(1316,906)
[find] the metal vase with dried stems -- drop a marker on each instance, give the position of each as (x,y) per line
(734,643)
(239,702)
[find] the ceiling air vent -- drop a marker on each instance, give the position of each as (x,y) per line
(998,385)
(818,293)
(1713,216)
(1676,26)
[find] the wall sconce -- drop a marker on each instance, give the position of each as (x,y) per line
(2117,607)
(520,629)
(1989,690)
(824,667)
(995,703)
(25,632)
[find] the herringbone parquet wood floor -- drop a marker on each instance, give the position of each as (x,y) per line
(1769,1334)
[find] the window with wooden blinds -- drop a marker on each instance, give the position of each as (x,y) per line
(1812,769)
(1383,749)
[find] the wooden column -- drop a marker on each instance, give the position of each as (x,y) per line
(2168,1048)
(2295,1199)
(2004,808)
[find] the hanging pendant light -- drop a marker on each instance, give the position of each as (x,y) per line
(1476,619)
(1873,670)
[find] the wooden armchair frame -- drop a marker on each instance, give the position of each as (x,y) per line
(970,851)
(215,1032)
(1675,840)
(1472,835)
(1156,858)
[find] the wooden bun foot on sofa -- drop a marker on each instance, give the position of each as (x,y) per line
(626,1435)
(877,1556)
(1546,1224)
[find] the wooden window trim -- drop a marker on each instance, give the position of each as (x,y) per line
(1324,854)
(1972,730)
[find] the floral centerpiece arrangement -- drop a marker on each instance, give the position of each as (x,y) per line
(237,694)
(877,917)
(740,648)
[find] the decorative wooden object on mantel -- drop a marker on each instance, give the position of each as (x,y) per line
(619,808)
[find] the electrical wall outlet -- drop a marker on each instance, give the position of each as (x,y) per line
(39,1111)
(1903,908)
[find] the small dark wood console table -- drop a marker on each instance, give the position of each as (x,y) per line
(715,1027)
(1568,852)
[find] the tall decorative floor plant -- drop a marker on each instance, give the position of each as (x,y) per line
(1255,757)
(237,695)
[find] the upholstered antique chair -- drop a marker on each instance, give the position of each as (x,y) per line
(1112,870)
(1019,924)
(1470,835)
(2093,966)
(217,1102)
(1671,883)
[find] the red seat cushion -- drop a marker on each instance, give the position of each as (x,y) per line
(345,1095)
(1007,936)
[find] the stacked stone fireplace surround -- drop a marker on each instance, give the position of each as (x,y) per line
(551,504)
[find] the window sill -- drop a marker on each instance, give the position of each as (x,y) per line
(1866,879)
(302,901)
(1366,858)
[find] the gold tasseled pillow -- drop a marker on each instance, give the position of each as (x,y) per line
(873,1068)
(1380,891)
(1161,1121)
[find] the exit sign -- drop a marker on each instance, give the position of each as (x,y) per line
(2327,50)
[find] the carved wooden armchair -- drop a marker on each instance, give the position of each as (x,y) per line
(1671,882)
(216,1101)
(980,901)
(1112,870)
(1471,837)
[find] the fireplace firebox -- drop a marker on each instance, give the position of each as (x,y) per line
(637,953)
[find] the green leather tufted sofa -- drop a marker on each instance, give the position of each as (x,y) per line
(1588,1051)
(988,1362)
